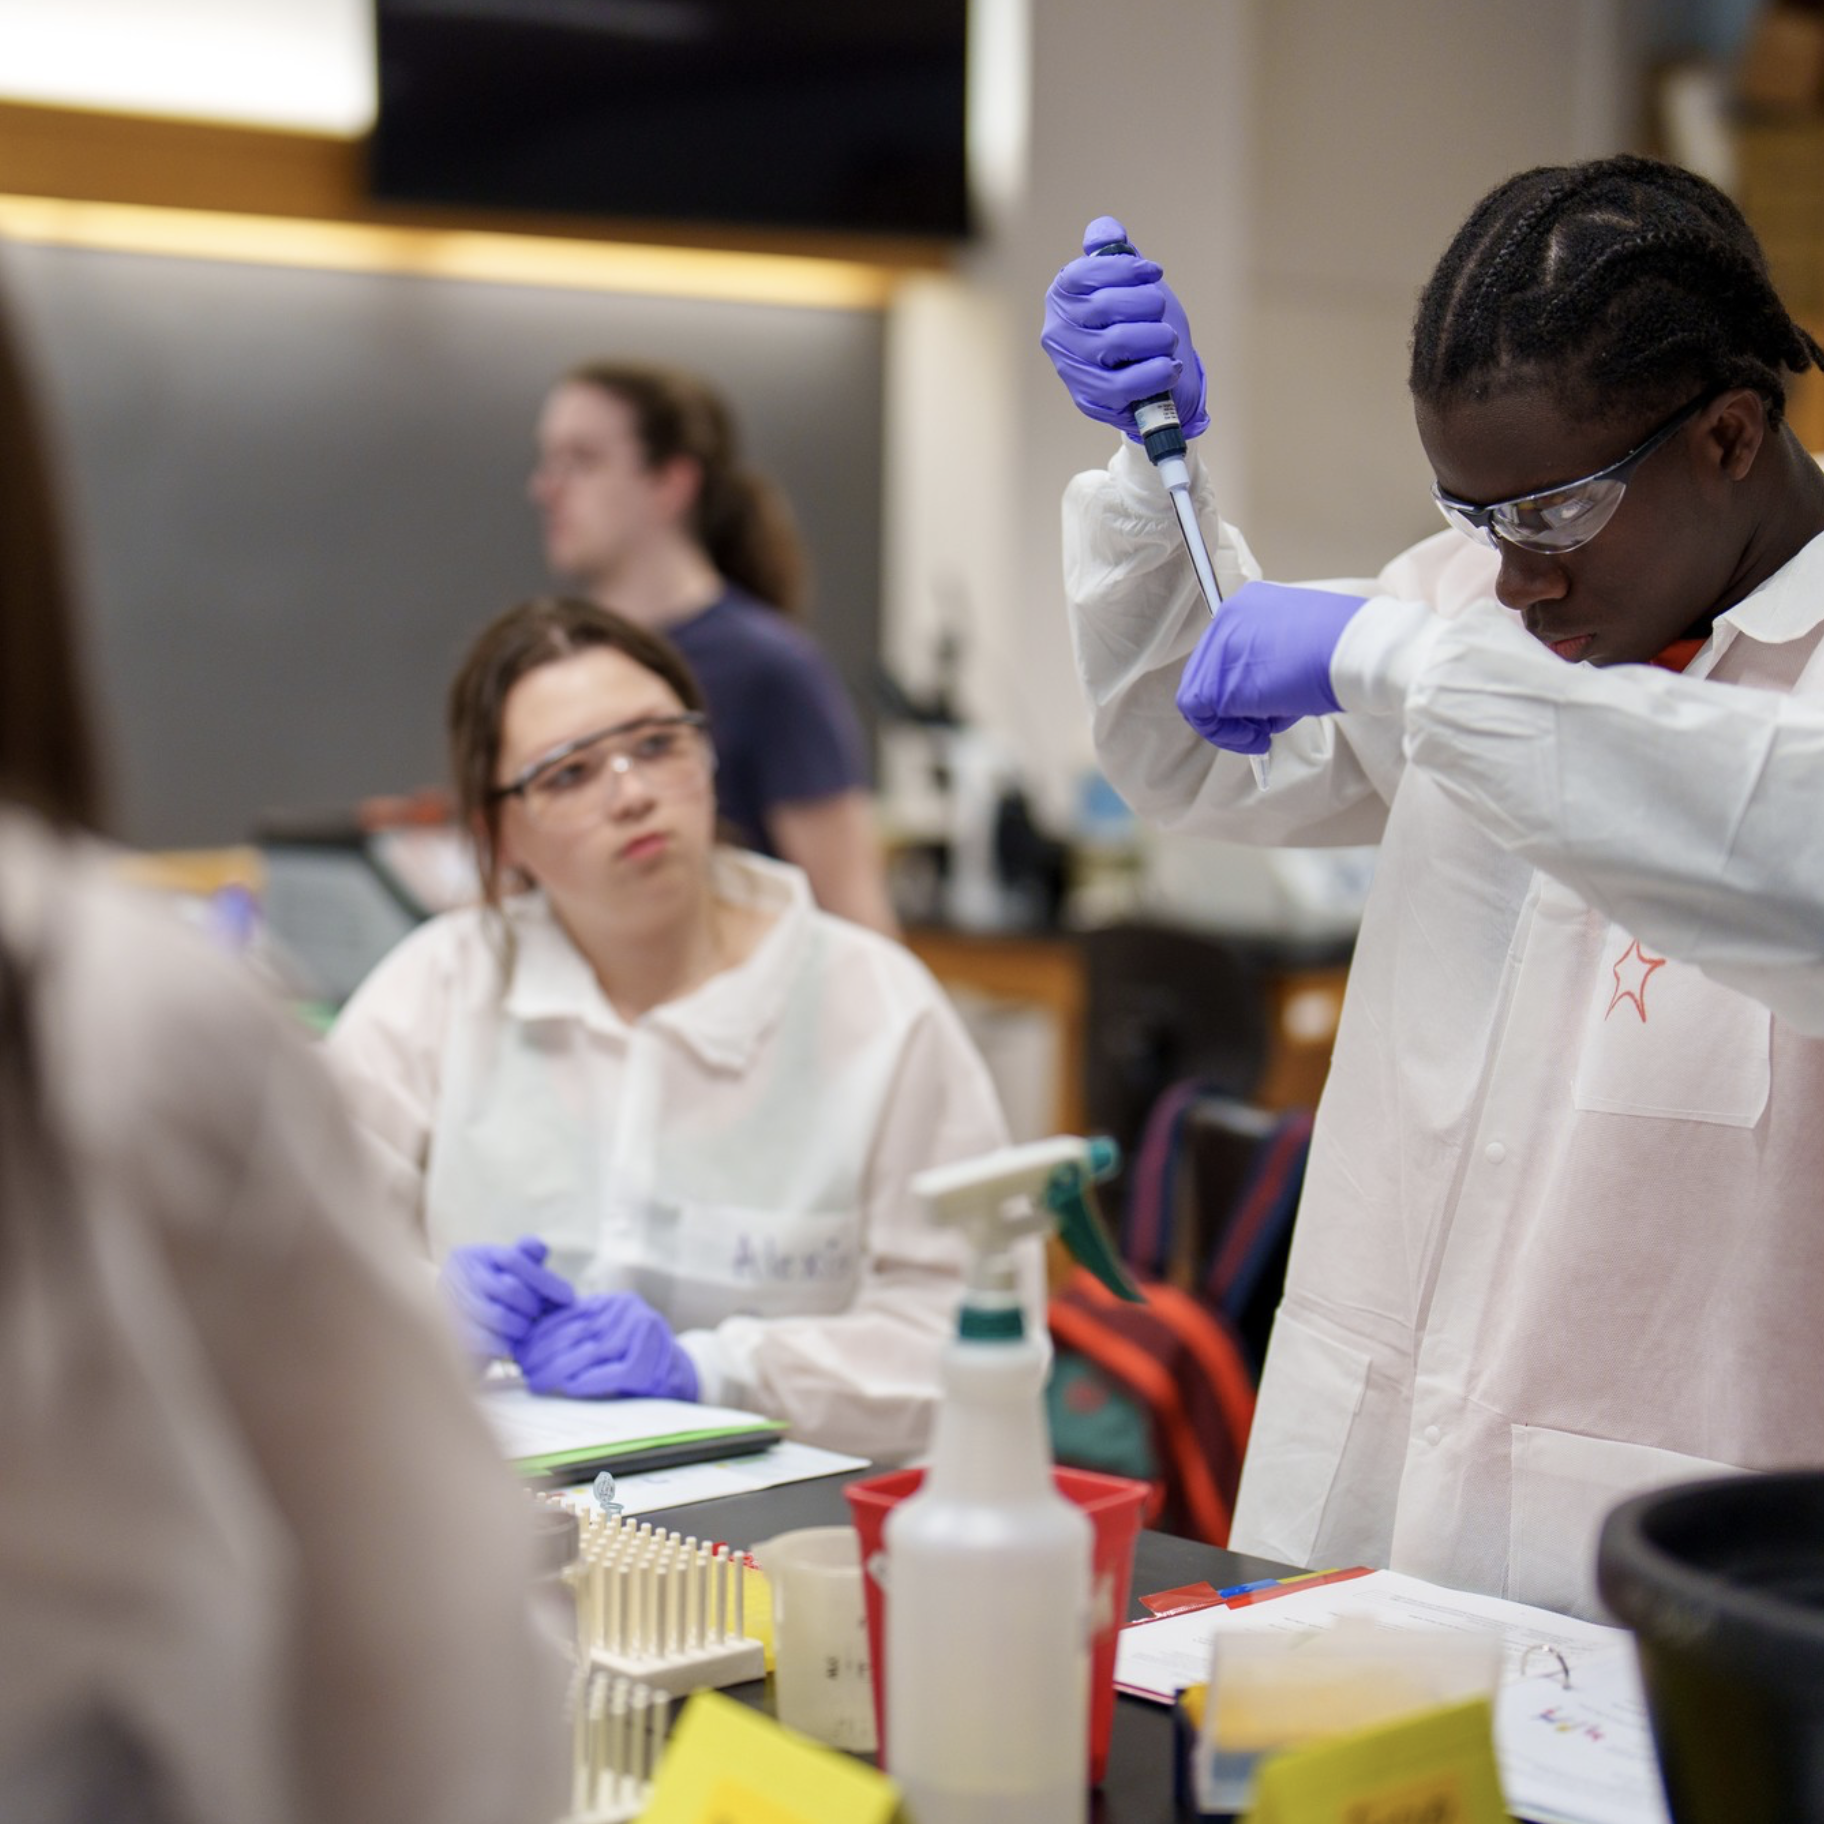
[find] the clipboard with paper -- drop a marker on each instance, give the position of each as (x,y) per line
(563,1440)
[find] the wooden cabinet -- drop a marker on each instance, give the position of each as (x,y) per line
(1781,191)
(1039,970)
(1304,999)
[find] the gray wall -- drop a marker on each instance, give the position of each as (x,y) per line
(296,494)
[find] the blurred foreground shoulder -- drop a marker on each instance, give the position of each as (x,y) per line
(299,1351)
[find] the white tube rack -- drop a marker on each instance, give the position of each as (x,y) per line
(619,1735)
(660,1608)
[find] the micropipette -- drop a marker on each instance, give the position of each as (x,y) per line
(1162,435)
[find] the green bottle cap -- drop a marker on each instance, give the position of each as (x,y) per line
(976,1325)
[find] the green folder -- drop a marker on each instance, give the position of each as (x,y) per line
(555,1439)
(628,1455)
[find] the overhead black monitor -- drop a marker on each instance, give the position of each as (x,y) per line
(835,115)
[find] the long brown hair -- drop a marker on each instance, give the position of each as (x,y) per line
(535,633)
(47,762)
(47,752)
(740,518)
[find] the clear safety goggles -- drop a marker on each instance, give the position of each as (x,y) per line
(1561,519)
(568,788)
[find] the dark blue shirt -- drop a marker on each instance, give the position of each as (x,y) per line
(784,728)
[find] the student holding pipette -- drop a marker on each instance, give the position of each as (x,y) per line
(1559,1238)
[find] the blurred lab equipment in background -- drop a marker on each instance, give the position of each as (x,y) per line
(970,853)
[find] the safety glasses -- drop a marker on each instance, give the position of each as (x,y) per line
(568,789)
(1561,519)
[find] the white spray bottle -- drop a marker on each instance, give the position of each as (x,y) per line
(988,1566)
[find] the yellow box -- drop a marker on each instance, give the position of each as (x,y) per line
(1438,1766)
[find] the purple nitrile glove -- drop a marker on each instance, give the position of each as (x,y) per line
(1263,664)
(1116,332)
(603,1346)
(499,1293)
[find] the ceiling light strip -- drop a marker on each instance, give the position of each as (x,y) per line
(500,259)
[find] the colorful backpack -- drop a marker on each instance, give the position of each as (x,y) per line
(1164,1391)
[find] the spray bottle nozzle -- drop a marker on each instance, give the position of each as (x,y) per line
(1072,1199)
(1024,1190)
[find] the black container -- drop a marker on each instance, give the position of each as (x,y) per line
(1723,1585)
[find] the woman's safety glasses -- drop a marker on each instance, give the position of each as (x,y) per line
(567,789)
(1561,519)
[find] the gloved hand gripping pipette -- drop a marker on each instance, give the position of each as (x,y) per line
(1162,437)
(1162,423)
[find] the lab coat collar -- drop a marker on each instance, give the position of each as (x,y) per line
(725,1019)
(1787,606)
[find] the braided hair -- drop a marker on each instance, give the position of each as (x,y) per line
(1618,285)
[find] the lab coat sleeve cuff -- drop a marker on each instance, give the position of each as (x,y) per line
(1138,502)
(1141,493)
(722,1377)
(1138,489)
(1381,653)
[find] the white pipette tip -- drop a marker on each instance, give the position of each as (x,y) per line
(1178,490)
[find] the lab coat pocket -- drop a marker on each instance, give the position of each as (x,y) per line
(1564,1486)
(1660,1038)
(1311,1391)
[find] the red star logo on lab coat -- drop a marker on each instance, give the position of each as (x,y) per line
(1632,969)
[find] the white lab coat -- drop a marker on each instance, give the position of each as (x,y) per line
(253,1532)
(1559,1238)
(739,1156)
(1516,737)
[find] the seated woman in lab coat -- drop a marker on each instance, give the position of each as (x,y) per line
(652,1110)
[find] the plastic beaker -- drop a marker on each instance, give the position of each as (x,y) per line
(1113,1504)
(822,1684)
